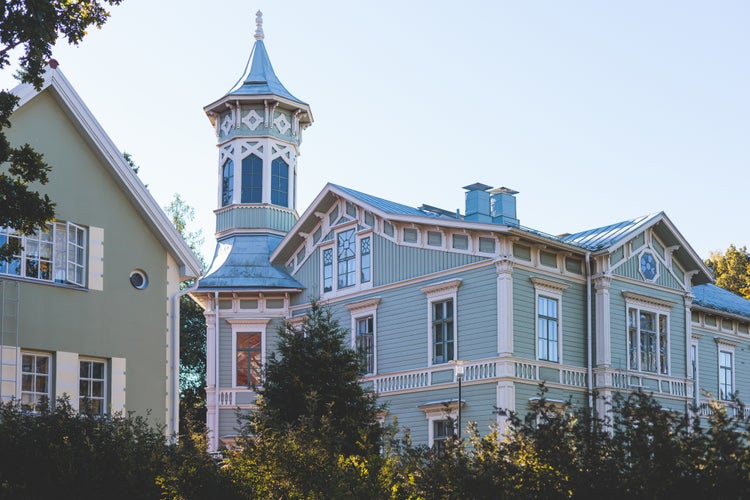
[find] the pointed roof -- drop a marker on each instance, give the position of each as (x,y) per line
(262,80)
(607,236)
(82,118)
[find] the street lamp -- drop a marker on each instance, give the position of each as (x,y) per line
(460,370)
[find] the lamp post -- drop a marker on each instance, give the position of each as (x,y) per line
(460,370)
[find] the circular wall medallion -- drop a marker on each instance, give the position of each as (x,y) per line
(648,266)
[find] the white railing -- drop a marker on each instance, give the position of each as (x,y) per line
(529,370)
(706,409)
(480,371)
(402,381)
(635,380)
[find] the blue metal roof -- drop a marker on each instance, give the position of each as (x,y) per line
(262,80)
(387,206)
(604,237)
(242,262)
(713,297)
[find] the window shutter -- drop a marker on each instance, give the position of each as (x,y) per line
(10,373)
(66,376)
(96,258)
(117,401)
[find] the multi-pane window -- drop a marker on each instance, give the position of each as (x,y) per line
(279,182)
(366,344)
(57,252)
(346,258)
(327,269)
(726,375)
(547,328)
(441,431)
(227,182)
(35,381)
(248,354)
(364,260)
(92,387)
(443,334)
(252,180)
(648,341)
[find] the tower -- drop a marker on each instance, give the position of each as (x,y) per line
(258,126)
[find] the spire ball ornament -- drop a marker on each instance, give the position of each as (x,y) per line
(259,26)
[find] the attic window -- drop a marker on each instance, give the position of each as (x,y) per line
(351,210)
(388,229)
(369,219)
(410,235)
(333,215)
(434,238)
(487,245)
(461,241)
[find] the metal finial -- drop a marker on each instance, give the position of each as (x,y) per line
(259,26)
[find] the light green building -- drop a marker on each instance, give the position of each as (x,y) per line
(90,307)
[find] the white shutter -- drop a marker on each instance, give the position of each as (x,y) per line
(66,376)
(117,401)
(96,258)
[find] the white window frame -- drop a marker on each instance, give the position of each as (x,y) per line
(727,347)
(361,310)
(551,290)
(439,410)
(441,292)
(104,379)
(695,370)
(653,306)
(49,374)
(259,325)
(332,245)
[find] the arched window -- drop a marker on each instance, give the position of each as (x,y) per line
(227,182)
(252,180)
(280,182)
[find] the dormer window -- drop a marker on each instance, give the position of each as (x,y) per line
(252,180)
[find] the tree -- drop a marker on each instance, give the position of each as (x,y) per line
(192,325)
(315,433)
(33,26)
(732,270)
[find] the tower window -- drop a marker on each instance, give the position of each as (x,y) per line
(227,183)
(252,180)
(279,182)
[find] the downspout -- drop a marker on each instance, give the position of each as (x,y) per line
(176,358)
(589,343)
(215,436)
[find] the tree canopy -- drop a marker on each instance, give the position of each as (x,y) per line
(33,27)
(732,269)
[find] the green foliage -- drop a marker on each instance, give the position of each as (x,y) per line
(192,323)
(58,452)
(33,26)
(315,432)
(732,270)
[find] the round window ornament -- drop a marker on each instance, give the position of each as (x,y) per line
(648,266)
(138,279)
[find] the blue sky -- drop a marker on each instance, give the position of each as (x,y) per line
(594,111)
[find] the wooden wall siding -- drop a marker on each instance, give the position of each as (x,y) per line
(228,422)
(393,263)
(574,325)
(630,269)
(310,275)
(477,314)
(225,354)
(524,330)
(254,216)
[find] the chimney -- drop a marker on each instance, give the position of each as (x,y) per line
(503,206)
(478,203)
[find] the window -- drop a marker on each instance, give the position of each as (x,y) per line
(35,381)
(366,344)
(694,367)
(547,317)
(726,374)
(648,341)
(441,431)
(442,338)
(346,258)
(350,259)
(252,180)
(227,183)
(443,334)
(549,296)
(55,253)
(248,360)
(279,182)
(364,341)
(92,387)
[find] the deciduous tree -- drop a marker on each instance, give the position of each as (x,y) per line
(732,269)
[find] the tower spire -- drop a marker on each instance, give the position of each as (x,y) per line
(259,26)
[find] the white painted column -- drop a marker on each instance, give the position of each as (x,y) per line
(212,421)
(506,403)
(504,267)
(603,320)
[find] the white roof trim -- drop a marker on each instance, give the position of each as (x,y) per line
(149,209)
